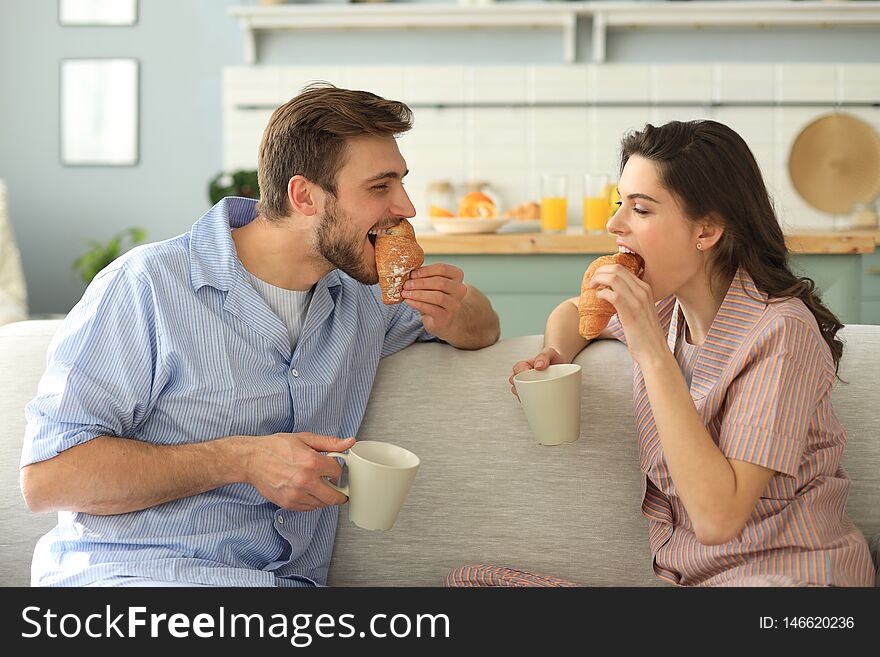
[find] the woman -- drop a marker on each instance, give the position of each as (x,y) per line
(734,357)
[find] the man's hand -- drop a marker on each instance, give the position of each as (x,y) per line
(288,469)
(457,313)
(436,291)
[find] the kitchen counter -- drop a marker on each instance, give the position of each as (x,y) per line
(872,233)
(518,243)
(526,275)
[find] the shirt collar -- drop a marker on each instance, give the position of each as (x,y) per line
(743,306)
(212,257)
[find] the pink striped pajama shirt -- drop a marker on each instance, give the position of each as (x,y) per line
(761,381)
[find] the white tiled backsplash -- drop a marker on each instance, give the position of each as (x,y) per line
(512,146)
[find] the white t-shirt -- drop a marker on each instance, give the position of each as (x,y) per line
(290,305)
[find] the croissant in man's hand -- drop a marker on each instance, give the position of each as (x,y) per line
(397,254)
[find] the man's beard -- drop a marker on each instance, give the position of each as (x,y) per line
(340,248)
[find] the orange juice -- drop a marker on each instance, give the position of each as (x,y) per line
(595,213)
(554,214)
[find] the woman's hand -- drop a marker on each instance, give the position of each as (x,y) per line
(546,357)
(633,300)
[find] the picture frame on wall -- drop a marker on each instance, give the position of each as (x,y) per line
(99,112)
(97,12)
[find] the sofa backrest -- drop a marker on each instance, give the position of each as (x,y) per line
(22,362)
(857,402)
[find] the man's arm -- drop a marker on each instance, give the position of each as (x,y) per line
(454,312)
(475,325)
(109,475)
(103,377)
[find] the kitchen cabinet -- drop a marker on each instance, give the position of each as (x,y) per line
(524,289)
(603,17)
(871,288)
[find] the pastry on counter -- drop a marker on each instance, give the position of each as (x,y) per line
(595,313)
(397,254)
(529,211)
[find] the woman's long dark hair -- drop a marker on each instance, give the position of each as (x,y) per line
(711,170)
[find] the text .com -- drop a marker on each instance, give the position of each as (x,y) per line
(299,629)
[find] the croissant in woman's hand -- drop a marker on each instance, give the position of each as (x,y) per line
(397,254)
(595,313)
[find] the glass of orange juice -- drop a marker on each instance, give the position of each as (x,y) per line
(554,203)
(597,203)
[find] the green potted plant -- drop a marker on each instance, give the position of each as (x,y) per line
(242,182)
(100,255)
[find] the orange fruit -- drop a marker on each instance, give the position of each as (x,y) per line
(476,205)
(437,211)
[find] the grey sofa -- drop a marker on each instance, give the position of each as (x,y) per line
(485,492)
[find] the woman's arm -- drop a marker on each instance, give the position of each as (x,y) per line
(561,332)
(719,493)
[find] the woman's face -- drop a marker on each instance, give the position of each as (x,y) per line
(651,222)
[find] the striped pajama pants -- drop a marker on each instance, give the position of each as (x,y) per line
(482,575)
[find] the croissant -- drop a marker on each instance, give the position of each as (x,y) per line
(397,254)
(529,211)
(595,313)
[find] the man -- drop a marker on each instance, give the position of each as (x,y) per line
(180,425)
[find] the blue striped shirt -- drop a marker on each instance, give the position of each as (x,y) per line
(171,344)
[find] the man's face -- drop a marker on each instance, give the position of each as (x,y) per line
(369,197)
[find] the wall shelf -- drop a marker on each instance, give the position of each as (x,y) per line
(604,16)
(611,103)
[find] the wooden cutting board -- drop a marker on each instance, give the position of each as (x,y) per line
(834,163)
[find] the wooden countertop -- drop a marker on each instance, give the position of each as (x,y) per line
(805,242)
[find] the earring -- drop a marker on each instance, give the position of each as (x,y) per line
(699,246)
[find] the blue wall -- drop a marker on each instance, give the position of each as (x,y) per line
(182,46)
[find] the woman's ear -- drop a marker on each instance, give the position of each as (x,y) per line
(302,196)
(711,230)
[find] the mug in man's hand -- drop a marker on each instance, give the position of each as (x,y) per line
(379,478)
(551,399)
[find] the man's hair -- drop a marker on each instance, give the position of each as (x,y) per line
(307,136)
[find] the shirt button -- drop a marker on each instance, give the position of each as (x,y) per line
(294,372)
(280,520)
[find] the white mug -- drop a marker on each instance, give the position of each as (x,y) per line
(379,478)
(551,399)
